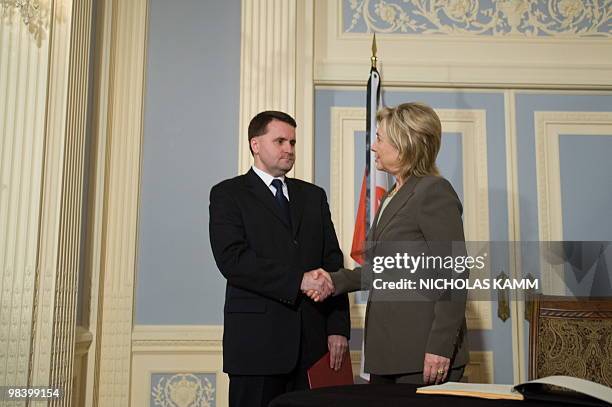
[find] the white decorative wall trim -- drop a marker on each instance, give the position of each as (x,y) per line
(181,338)
(457,59)
(358,312)
(355,356)
(517,309)
(51,202)
(33,16)
(471,124)
(480,369)
(304,91)
(123,141)
(178,349)
(79,374)
(497,18)
(267,64)
(548,127)
(93,281)
(276,73)
(345,121)
(23,88)
(59,251)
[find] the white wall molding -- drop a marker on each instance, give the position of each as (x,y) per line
(123,138)
(276,73)
(180,338)
(548,128)
(23,89)
(471,124)
(480,369)
(61,199)
(267,64)
(457,60)
(81,351)
(51,205)
(517,307)
(345,121)
(177,349)
(94,242)
(472,127)
(304,92)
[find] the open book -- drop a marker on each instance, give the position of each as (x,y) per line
(535,389)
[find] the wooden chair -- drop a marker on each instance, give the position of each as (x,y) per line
(571,337)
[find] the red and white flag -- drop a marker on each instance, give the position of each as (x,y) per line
(374,183)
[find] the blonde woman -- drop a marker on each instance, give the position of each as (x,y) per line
(410,341)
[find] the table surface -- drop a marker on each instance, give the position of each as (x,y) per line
(389,395)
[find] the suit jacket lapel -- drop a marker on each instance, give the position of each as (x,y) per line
(263,194)
(296,204)
(397,202)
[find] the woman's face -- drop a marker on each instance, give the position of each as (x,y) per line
(387,156)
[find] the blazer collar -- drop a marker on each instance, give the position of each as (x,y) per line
(263,194)
(397,202)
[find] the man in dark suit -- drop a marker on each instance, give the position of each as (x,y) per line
(266,231)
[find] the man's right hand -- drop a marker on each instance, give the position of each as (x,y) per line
(317,284)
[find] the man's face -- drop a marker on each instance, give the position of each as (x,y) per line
(274,151)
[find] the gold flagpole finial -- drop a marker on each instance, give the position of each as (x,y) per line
(374,51)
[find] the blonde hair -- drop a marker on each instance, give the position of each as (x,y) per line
(414,129)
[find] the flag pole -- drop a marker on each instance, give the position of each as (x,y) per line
(373,58)
(373,95)
(374,182)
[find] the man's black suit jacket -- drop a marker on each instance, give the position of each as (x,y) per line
(263,259)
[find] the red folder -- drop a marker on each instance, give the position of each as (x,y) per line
(321,375)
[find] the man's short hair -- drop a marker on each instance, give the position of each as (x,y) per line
(259,123)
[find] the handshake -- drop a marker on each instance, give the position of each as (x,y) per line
(317,284)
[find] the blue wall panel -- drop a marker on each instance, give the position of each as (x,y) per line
(190,144)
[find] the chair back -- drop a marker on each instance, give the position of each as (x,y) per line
(572,337)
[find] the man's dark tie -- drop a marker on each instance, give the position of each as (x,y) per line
(282,200)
